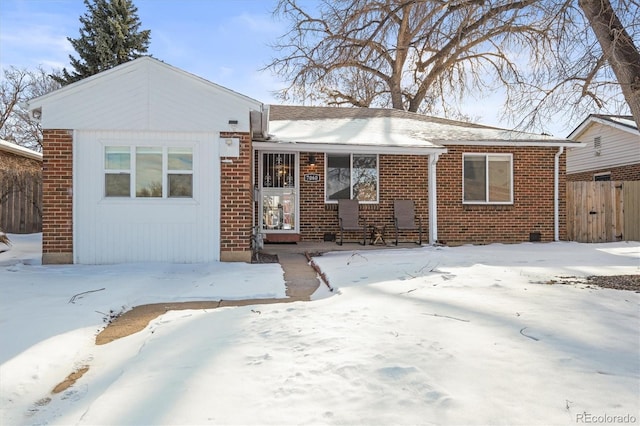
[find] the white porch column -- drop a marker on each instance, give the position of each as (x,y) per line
(433,199)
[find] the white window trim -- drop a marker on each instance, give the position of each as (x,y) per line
(166,172)
(486,155)
(132,172)
(351,154)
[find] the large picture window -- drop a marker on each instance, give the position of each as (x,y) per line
(488,178)
(352,176)
(148,172)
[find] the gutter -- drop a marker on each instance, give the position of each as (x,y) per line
(20,150)
(287,146)
(556,194)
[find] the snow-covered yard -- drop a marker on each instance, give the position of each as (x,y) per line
(437,335)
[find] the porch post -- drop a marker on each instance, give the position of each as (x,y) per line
(433,199)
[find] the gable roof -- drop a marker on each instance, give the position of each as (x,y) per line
(624,123)
(19,150)
(144,94)
(389,128)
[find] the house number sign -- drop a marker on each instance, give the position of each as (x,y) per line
(312,177)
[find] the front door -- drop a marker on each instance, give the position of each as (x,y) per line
(278,192)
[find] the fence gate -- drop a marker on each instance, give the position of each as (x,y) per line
(599,212)
(631,197)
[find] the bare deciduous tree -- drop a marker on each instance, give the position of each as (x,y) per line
(579,75)
(18,85)
(618,47)
(429,55)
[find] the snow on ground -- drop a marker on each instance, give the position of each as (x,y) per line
(432,335)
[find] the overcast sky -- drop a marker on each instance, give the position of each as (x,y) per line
(224,41)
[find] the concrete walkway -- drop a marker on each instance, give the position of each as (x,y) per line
(301,280)
(299,277)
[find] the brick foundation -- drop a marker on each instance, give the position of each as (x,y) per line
(57,200)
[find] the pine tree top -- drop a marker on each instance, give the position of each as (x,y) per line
(109,36)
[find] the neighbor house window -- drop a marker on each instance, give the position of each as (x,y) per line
(488,178)
(352,176)
(157,172)
(602,177)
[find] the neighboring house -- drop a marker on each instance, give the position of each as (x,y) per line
(146,162)
(20,189)
(612,149)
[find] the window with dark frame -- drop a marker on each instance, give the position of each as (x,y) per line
(603,177)
(351,176)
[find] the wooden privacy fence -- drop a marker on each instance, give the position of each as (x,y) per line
(599,212)
(20,203)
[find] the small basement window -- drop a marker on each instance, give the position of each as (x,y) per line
(602,177)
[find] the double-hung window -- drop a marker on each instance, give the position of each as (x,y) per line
(488,178)
(352,176)
(148,172)
(117,175)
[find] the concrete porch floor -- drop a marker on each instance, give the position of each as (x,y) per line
(319,247)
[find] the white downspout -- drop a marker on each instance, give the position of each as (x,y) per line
(433,199)
(556,194)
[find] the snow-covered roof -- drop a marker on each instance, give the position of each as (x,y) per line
(625,120)
(625,123)
(19,150)
(381,132)
(387,128)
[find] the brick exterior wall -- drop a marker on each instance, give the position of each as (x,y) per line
(236,201)
(401,177)
(631,172)
(57,190)
(406,177)
(531,211)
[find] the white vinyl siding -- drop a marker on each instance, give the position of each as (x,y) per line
(616,148)
(124,229)
(146,94)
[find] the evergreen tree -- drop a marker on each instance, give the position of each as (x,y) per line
(109,36)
